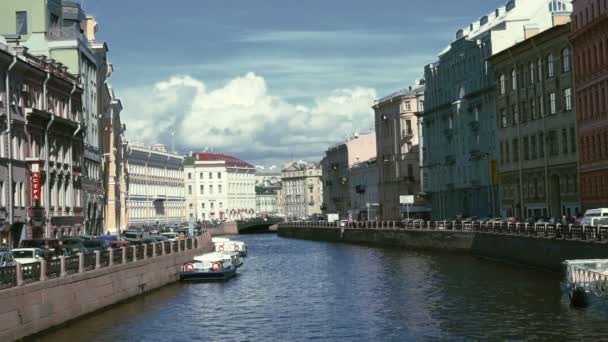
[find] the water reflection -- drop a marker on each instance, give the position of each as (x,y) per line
(302,290)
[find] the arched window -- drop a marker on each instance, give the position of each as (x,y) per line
(513,79)
(550,68)
(502,84)
(566,60)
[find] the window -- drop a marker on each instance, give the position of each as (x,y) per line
(533,109)
(513,79)
(532,72)
(552,143)
(566,60)
(203,205)
(221,205)
(567,99)
(211,205)
(515,150)
(526,149)
(507,153)
(219,189)
(189,189)
(202,189)
(541,145)
(540,69)
(502,85)
(189,175)
(565,141)
(550,69)
(219,175)
(210,175)
(21,22)
(573,139)
(541,106)
(200,175)
(502,153)
(552,104)
(210,189)
(533,147)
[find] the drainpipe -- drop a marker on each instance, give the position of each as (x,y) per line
(47,205)
(9,131)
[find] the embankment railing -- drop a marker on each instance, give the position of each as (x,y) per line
(22,274)
(545,230)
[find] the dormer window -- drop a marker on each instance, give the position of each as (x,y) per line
(557,6)
(483,21)
(510,5)
(459,34)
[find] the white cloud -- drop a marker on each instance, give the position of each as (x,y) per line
(242,117)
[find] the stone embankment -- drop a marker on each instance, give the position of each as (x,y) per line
(538,245)
(53,293)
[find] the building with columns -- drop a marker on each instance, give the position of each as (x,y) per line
(219,186)
(589,40)
(41,151)
(397,144)
(155,186)
(460,120)
(537,126)
(61,30)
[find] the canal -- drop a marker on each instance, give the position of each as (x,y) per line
(291,290)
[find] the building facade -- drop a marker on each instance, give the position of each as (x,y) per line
(266,200)
(155,186)
(364,190)
(336,171)
(302,193)
(460,121)
(537,127)
(41,150)
(590,52)
(57,29)
(398,149)
(219,187)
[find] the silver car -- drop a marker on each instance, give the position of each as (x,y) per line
(6,259)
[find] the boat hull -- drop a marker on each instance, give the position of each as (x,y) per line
(207,276)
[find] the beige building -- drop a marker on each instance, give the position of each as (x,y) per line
(219,186)
(155,186)
(537,127)
(302,192)
(336,171)
(397,143)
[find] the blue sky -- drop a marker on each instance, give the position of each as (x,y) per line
(263,79)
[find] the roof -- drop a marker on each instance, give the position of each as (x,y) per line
(406,92)
(230,160)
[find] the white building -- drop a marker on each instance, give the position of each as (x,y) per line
(155,186)
(219,186)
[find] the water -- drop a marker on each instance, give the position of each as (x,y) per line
(292,290)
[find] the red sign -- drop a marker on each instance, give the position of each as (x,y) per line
(36,187)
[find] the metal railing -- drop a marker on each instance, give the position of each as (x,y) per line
(53,268)
(11,276)
(544,230)
(8,277)
(595,282)
(31,272)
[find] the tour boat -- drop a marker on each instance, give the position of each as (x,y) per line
(210,266)
(586,281)
(231,246)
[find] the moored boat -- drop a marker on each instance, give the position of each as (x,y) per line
(231,246)
(210,266)
(586,282)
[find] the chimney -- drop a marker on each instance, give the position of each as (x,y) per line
(89,27)
(531,31)
(561,18)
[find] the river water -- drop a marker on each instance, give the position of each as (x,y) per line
(292,290)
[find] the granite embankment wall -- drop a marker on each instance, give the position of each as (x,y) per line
(225,228)
(35,307)
(541,252)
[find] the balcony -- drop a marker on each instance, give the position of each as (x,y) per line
(474,125)
(476,154)
(63,33)
(407,134)
(450,160)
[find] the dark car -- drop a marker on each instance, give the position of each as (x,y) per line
(91,246)
(50,244)
(159,238)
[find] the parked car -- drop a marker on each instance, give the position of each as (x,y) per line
(29,255)
(343,223)
(91,246)
(170,236)
(119,244)
(50,244)
(6,258)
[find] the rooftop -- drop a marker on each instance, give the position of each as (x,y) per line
(229,160)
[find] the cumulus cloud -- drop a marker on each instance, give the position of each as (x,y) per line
(243,118)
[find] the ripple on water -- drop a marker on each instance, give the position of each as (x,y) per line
(293,290)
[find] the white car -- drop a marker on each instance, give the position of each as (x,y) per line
(28,255)
(171,236)
(343,223)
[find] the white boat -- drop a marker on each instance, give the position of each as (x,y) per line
(231,246)
(586,281)
(210,266)
(219,239)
